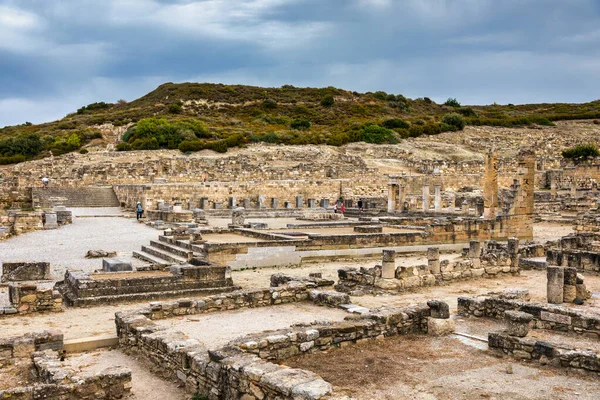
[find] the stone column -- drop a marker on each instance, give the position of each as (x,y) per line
(490,185)
(513,251)
(437,200)
(392,191)
(517,323)
(261,201)
(311,203)
(204,203)
(237,217)
(570,285)
(464,208)
(388,270)
(274,202)
(425,198)
(246,203)
(232,202)
(401,199)
(452,205)
(552,189)
(474,249)
(574,189)
(433,260)
(556,283)
(325,203)
(299,202)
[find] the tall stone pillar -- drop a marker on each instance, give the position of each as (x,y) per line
(520,215)
(299,202)
(553,189)
(388,270)
(556,283)
(401,199)
(570,285)
(574,189)
(425,198)
(452,205)
(392,196)
(437,201)
(490,185)
(513,252)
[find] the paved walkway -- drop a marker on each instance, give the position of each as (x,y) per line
(66,247)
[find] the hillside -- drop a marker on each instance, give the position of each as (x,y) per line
(193,117)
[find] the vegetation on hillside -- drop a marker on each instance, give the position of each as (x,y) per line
(581,152)
(193,117)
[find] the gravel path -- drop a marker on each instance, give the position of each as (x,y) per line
(66,247)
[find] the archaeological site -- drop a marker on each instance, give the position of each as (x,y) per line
(463,265)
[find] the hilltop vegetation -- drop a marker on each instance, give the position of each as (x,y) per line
(193,116)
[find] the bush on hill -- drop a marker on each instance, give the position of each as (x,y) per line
(581,152)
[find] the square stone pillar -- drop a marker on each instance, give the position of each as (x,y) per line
(232,202)
(437,202)
(204,203)
(552,189)
(574,189)
(312,203)
(433,260)
(325,203)
(388,270)
(474,249)
(452,205)
(392,191)
(490,185)
(274,202)
(50,221)
(570,284)
(401,199)
(299,202)
(246,203)
(425,198)
(513,252)
(556,284)
(464,208)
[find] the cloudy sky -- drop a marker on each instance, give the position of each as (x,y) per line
(57,55)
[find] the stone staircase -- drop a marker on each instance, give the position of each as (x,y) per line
(90,196)
(168,251)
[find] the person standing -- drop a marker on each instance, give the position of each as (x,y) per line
(335,208)
(343,208)
(139,211)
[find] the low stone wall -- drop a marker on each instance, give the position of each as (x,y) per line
(25,271)
(545,353)
(239,370)
(31,299)
(545,316)
(81,289)
(588,261)
(22,347)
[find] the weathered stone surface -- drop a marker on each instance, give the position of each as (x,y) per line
(439,309)
(517,323)
(555,285)
(100,254)
(439,327)
(25,271)
(116,265)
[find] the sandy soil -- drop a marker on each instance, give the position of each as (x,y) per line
(15,375)
(216,330)
(420,367)
(543,232)
(145,384)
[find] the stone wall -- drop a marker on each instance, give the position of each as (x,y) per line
(25,271)
(22,347)
(544,352)
(239,370)
(545,316)
(31,299)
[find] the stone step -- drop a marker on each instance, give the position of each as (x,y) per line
(185,244)
(178,251)
(142,255)
(164,255)
(76,197)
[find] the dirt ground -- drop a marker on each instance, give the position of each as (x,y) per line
(14,376)
(216,330)
(543,232)
(425,368)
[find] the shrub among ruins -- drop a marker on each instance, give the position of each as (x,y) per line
(191,145)
(12,159)
(466,112)
(84,151)
(145,144)
(123,146)
(581,152)
(395,123)
(455,120)
(452,102)
(300,124)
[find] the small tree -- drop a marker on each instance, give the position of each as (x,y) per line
(452,102)
(175,108)
(300,124)
(327,101)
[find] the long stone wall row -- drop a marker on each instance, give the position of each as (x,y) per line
(240,369)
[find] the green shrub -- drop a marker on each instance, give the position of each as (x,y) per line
(17,158)
(455,120)
(395,123)
(415,130)
(191,145)
(300,124)
(269,104)
(372,133)
(452,102)
(92,107)
(427,100)
(175,108)
(327,101)
(145,144)
(270,137)
(582,151)
(83,151)
(123,146)
(220,146)
(467,112)
(380,95)
(28,145)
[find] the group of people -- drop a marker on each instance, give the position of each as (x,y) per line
(341,208)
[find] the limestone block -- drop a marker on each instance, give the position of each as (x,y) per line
(582,292)
(389,264)
(237,216)
(569,293)
(115,265)
(439,309)
(570,276)
(440,327)
(517,323)
(555,285)
(50,221)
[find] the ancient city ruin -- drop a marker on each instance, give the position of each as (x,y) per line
(241,280)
